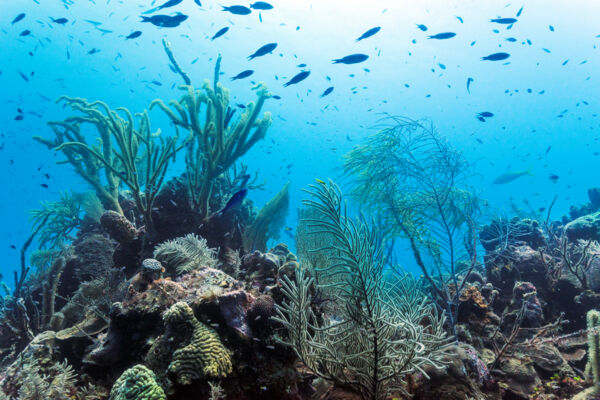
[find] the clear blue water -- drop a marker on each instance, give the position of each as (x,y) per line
(403,76)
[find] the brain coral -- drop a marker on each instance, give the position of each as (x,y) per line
(137,383)
(204,357)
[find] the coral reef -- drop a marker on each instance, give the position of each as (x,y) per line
(184,254)
(204,356)
(137,383)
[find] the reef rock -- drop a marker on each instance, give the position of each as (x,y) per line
(586,227)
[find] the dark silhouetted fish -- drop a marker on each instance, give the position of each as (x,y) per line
(422,27)
(443,35)
(234,202)
(220,33)
(460,20)
(297,78)
(519,12)
(93,51)
(26,32)
(505,21)
(351,59)
(18,18)
(327,91)
(238,10)
(60,21)
(170,3)
(510,176)
(369,33)
(19,117)
(165,21)
(486,114)
(551,28)
(496,57)
(134,35)
(301,65)
(266,49)
(469,80)
(198,2)
(261,5)
(511,39)
(243,74)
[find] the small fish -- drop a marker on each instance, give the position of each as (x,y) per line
(369,33)
(165,21)
(469,80)
(327,91)
(155,82)
(266,49)
(220,33)
(60,21)
(18,18)
(299,77)
(351,59)
(511,39)
(496,57)
(505,21)
(486,114)
(460,19)
(25,78)
(546,50)
(45,186)
(443,35)
(519,12)
(276,97)
(261,5)
(234,202)
(553,178)
(93,51)
(551,28)
(301,65)
(198,2)
(170,3)
(422,27)
(240,105)
(238,10)
(510,176)
(19,117)
(133,35)
(26,32)
(243,74)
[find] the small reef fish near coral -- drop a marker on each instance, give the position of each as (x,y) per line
(299,200)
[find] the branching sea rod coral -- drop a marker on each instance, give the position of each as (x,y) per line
(204,356)
(217,141)
(136,157)
(384,329)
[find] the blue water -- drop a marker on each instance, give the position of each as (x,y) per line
(402,76)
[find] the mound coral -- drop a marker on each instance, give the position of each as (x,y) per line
(204,357)
(184,254)
(137,383)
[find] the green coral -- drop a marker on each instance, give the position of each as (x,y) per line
(204,356)
(56,220)
(137,383)
(185,254)
(217,141)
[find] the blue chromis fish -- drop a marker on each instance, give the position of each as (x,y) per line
(165,21)
(237,10)
(443,35)
(422,27)
(133,35)
(496,57)
(60,21)
(505,21)
(351,59)
(369,33)
(510,176)
(299,77)
(243,74)
(220,33)
(266,49)
(469,81)
(18,18)
(234,202)
(327,91)
(261,5)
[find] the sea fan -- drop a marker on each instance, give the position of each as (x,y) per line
(185,254)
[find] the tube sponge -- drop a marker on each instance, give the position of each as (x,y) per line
(204,356)
(137,383)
